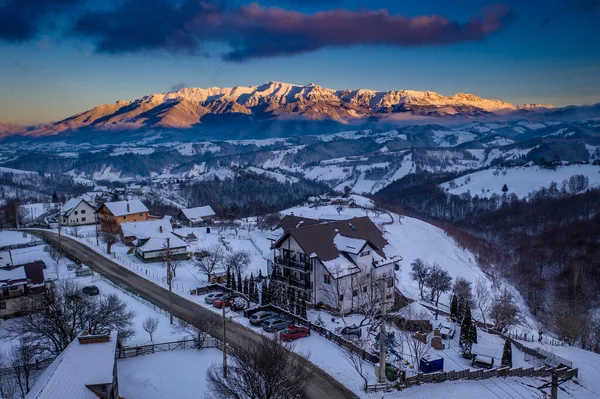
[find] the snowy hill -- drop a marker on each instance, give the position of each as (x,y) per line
(521,180)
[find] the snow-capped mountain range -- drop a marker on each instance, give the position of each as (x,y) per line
(194,107)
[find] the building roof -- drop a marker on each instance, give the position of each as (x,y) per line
(73,203)
(27,273)
(158,244)
(332,241)
(196,214)
(119,208)
(78,366)
(147,228)
(294,222)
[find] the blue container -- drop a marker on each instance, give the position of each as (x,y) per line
(431,364)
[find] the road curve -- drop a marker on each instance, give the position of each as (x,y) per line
(321,384)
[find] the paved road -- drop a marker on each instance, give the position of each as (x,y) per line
(321,384)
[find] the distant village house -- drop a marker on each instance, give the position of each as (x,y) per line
(198,216)
(20,283)
(153,240)
(78,212)
(112,214)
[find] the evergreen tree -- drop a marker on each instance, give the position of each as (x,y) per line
(504,188)
(55,199)
(228,278)
(251,288)
(298,310)
(260,276)
(266,294)
(454,308)
(466,332)
(246,287)
(239,282)
(507,354)
(303,310)
(233,283)
(473,333)
(291,301)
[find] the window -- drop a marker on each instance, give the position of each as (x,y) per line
(124,217)
(14,287)
(355,293)
(141,214)
(76,212)
(342,298)
(365,253)
(302,257)
(365,288)
(2,305)
(327,279)
(82,211)
(83,219)
(390,282)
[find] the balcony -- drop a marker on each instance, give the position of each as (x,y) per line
(307,285)
(293,262)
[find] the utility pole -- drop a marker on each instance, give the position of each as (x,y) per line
(224,342)
(382,335)
(59,225)
(554,388)
(17,214)
(169,279)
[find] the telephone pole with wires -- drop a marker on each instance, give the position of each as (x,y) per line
(170,279)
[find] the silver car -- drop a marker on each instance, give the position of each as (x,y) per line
(210,298)
(276,324)
(260,316)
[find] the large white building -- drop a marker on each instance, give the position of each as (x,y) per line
(78,212)
(335,263)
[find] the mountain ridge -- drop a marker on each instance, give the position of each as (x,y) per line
(190,107)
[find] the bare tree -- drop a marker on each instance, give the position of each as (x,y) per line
(419,272)
(358,362)
(75,231)
(65,312)
(462,288)
(266,369)
(208,260)
(438,281)
(238,261)
(414,347)
(110,238)
(150,325)
(504,313)
(482,299)
(56,255)
(334,286)
(366,299)
(199,332)
(268,221)
(21,361)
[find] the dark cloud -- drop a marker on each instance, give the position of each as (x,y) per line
(267,32)
(255,31)
(21,20)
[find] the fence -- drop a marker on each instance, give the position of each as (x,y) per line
(6,371)
(133,351)
(23,245)
(468,374)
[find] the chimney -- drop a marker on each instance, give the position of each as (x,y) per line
(86,338)
(127,206)
(160,229)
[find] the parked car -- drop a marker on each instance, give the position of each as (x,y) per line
(293,332)
(210,298)
(260,316)
(90,290)
(276,324)
(223,300)
(239,303)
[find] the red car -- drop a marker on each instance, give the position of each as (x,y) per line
(225,300)
(294,332)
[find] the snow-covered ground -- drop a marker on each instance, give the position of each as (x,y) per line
(176,374)
(519,180)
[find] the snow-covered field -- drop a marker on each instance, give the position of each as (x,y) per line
(519,180)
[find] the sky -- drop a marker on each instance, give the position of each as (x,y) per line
(61,57)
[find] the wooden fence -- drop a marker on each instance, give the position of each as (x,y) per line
(468,374)
(133,351)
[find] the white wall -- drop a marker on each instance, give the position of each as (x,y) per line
(76,217)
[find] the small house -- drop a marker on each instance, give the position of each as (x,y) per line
(483,356)
(19,283)
(112,214)
(198,216)
(78,212)
(86,369)
(153,240)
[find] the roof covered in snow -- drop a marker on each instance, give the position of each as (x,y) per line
(121,208)
(415,311)
(349,244)
(196,214)
(73,203)
(78,366)
(32,273)
(147,228)
(158,244)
